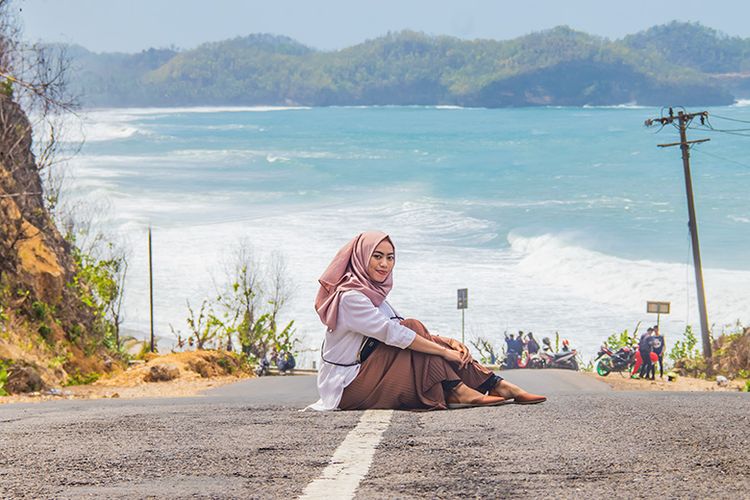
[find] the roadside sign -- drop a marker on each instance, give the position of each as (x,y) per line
(657,307)
(463,298)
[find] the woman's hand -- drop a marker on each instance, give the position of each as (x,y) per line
(464,352)
(460,349)
(455,357)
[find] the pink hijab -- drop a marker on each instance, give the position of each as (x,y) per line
(348,271)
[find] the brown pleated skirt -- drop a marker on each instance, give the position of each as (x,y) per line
(403,379)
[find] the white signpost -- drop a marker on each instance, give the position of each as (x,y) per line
(463,304)
(657,308)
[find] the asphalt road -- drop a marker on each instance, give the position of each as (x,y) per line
(249,440)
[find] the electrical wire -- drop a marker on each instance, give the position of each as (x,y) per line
(721,158)
(706,126)
(730,119)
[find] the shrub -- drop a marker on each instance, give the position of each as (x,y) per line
(39,310)
(46,333)
(79,378)
(3,377)
(686,348)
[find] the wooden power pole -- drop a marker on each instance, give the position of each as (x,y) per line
(150,290)
(683,120)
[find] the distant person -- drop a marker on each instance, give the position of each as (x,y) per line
(532,346)
(644,347)
(547,345)
(657,347)
(511,351)
(565,345)
(638,360)
(285,362)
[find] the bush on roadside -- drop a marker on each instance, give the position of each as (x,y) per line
(79,378)
(731,354)
(622,339)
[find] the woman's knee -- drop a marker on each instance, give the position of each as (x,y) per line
(417,326)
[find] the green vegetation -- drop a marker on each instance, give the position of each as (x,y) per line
(78,378)
(731,354)
(622,339)
(687,348)
(246,309)
(560,66)
(3,377)
(488,355)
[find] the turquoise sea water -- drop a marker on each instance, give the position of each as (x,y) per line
(556,219)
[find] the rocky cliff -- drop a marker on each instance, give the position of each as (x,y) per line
(47,333)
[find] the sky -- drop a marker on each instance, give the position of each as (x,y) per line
(135,25)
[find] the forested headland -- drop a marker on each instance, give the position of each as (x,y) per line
(673,64)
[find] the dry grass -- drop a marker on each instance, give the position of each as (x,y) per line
(198,371)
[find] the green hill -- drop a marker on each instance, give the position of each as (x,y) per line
(673,64)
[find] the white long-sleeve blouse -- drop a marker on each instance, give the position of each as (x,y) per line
(357,318)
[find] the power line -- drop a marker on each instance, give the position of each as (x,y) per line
(721,158)
(730,119)
(707,126)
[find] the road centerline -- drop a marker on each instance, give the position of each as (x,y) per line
(351,460)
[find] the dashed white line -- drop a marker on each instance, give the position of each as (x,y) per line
(352,459)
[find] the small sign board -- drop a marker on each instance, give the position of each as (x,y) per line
(463,298)
(657,307)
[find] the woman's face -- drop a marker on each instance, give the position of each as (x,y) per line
(382,261)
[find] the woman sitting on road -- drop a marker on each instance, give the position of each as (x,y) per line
(373,358)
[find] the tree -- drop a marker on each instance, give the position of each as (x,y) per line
(205,326)
(487,353)
(250,301)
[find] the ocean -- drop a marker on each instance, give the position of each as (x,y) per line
(556,219)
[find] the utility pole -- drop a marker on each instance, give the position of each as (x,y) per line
(150,290)
(683,120)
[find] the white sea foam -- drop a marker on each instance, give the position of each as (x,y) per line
(627,105)
(607,280)
(738,218)
(541,284)
(107,124)
(741,103)
(197,109)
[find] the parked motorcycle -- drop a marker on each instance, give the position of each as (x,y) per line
(621,360)
(566,360)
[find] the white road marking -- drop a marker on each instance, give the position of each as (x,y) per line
(352,459)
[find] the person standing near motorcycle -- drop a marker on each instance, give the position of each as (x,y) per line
(532,346)
(644,347)
(565,345)
(638,359)
(511,351)
(657,344)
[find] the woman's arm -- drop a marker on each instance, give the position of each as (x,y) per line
(360,315)
(421,344)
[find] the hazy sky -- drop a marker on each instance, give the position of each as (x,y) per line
(133,25)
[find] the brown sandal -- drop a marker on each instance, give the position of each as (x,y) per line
(528,399)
